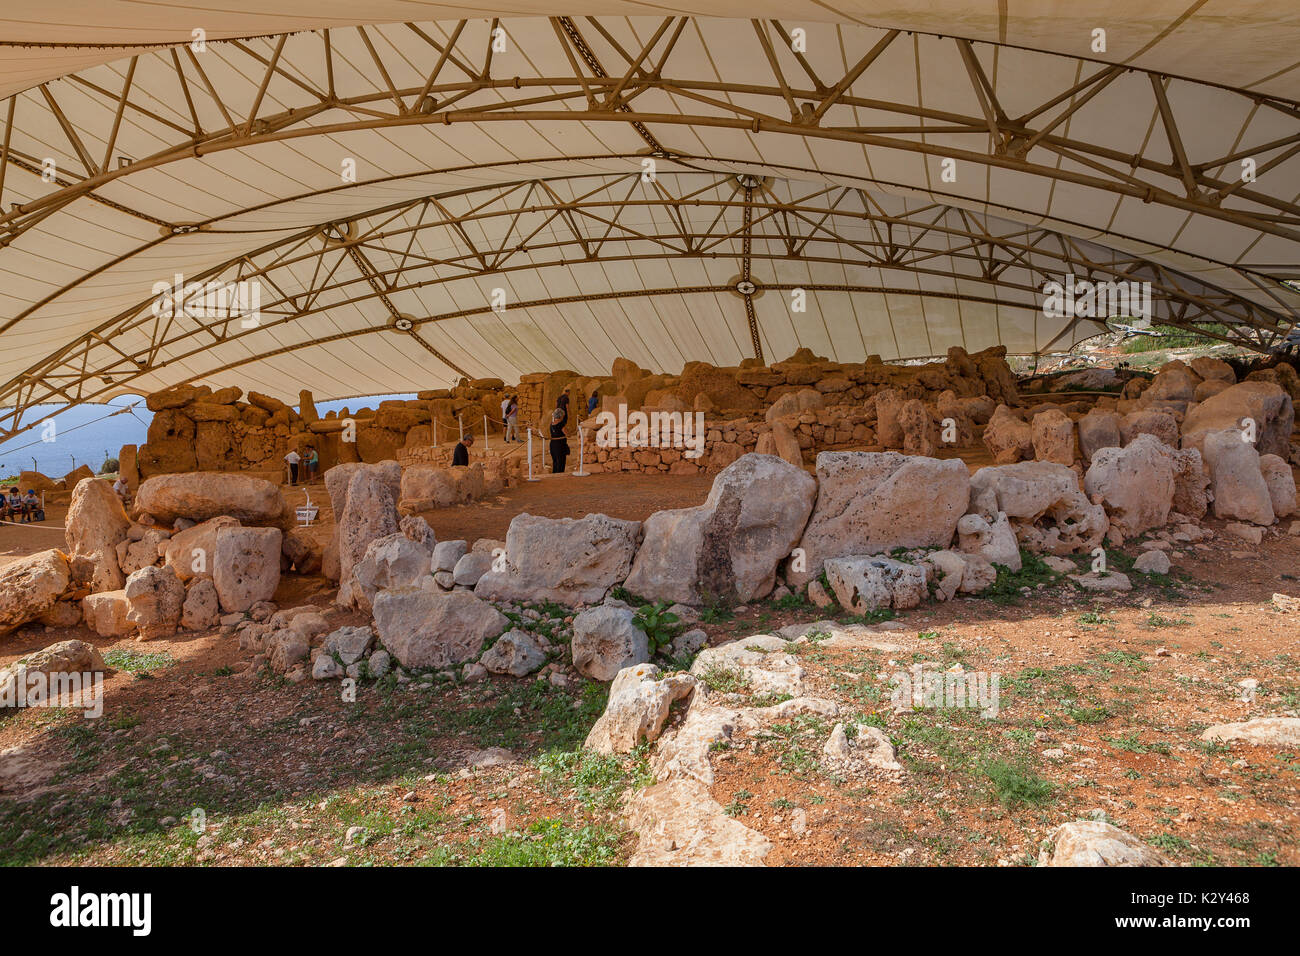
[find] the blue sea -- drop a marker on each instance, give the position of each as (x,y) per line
(88,434)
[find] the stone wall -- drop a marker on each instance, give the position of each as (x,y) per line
(199,428)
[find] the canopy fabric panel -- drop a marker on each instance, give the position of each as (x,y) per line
(419,201)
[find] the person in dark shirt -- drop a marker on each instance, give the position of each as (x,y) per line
(559,440)
(461,455)
(593,402)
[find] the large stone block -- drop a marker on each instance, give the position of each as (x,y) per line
(156,598)
(1136,485)
(433,628)
(202,495)
(1236,479)
(568,560)
(96,524)
(873,502)
(246,566)
(1046,507)
(30,586)
(730,546)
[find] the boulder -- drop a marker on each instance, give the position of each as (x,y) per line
(1266,403)
(30,586)
(132,555)
(393,561)
(95,525)
(1094,843)
(872,502)
(246,566)
(1097,430)
(1281,484)
(1191,484)
(60,662)
(781,442)
(1154,561)
(920,436)
(369,511)
(347,644)
(1236,480)
(65,613)
(106,613)
(794,404)
(470,568)
(1054,438)
(156,599)
(1043,501)
(1174,382)
(190,552)
(434,629)
(1104,581)
(206,494)
(1135,484)
(566,560)
(1007,438)
(994,540)
(516,653)
(76,476)
(1149,421)
(38,482)
(639,702)
(606,640)
(427,487)
(1212,369)
(889,430)
(285,650)
(202,607)
(418,530)
(447,553)
(730,546)
(867,583)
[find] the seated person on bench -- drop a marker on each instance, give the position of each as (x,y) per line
(32,510)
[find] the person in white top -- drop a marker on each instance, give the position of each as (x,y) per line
(292,460)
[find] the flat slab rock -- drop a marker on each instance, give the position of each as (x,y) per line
(677,820)
(682,825)
(1094,843)
(1260,732)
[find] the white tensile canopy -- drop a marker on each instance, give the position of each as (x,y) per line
(415,196)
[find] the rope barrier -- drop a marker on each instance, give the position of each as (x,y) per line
(34,524)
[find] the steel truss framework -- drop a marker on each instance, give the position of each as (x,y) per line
(540,231)
(655,92)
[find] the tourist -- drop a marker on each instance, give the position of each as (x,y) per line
(122,488)
(14,503)
(32,510)
(461,455)
(313,463)
(292,460)
(559,441)
(512,418)
(592,403)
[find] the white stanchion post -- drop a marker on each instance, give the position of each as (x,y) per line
(435,432)
(582,442)
(485,435)
(530,455)
(461,422)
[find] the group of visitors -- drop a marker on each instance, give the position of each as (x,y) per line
(15,506)
(308,465)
